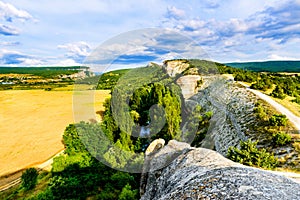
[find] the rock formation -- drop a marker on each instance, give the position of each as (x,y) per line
(174,67)
(179,171)
(233,112)
(188,85)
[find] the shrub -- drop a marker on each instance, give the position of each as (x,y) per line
(296,146)
(281,138)
(278,92)
(29,178)
(249,155)
(297,99)
(48,89)
(44,195)
(260,112)
(278,120)
(127,193)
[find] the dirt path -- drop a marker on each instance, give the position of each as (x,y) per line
(293,118)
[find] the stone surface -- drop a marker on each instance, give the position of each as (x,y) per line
(234,119)
(178,171)
(188,85)
(233,110)
(154,146)
(174,67)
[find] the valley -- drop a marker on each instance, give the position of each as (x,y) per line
(204,105)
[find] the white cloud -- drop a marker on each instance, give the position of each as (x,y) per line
(175,13)
(169,56)
(263,34)
(192,24)
(280,57)
(8,30)
(211,4)
(7,51)
(9,43)
(9,12)
(8,15)
(30,61)
(77,51)
(77,48)
(222,28)
(67,62)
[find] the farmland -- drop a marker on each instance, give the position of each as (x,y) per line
(32,124)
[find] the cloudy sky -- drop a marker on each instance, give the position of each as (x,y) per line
(34,33)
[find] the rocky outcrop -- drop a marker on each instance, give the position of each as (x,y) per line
(178,171)
(234,119)
(174,67)
(154,146)
(233,112)
(188,85)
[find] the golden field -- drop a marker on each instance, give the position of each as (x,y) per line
(32,123)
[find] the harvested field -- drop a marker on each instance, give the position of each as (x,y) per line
(32,123)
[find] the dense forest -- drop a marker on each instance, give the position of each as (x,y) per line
(268,66)
(46,72)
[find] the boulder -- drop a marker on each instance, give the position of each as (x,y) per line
(179,171)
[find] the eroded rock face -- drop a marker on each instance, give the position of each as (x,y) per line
(233,112)
(178,171)
(188,85)
(174,67)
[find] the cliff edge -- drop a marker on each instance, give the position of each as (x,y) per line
(178,171)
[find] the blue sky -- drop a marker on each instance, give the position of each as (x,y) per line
(35,33)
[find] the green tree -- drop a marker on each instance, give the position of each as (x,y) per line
(29,178)
(128,194)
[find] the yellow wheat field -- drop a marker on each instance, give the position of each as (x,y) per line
(32,123)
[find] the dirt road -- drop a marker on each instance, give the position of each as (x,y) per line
(293,118)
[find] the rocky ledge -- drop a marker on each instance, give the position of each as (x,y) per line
(178,171)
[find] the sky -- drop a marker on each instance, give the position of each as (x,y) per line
(65,33)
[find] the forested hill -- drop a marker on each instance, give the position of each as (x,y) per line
(45,72)
(268,66)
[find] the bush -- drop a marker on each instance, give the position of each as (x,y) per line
(29,178)
(128,194)
(281,138)
(278,92)
(48,89)
(297,100)
(260,112)
(45,195)
(278,120)
(249,155)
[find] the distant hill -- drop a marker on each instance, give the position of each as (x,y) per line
(42,71)
(268,66)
